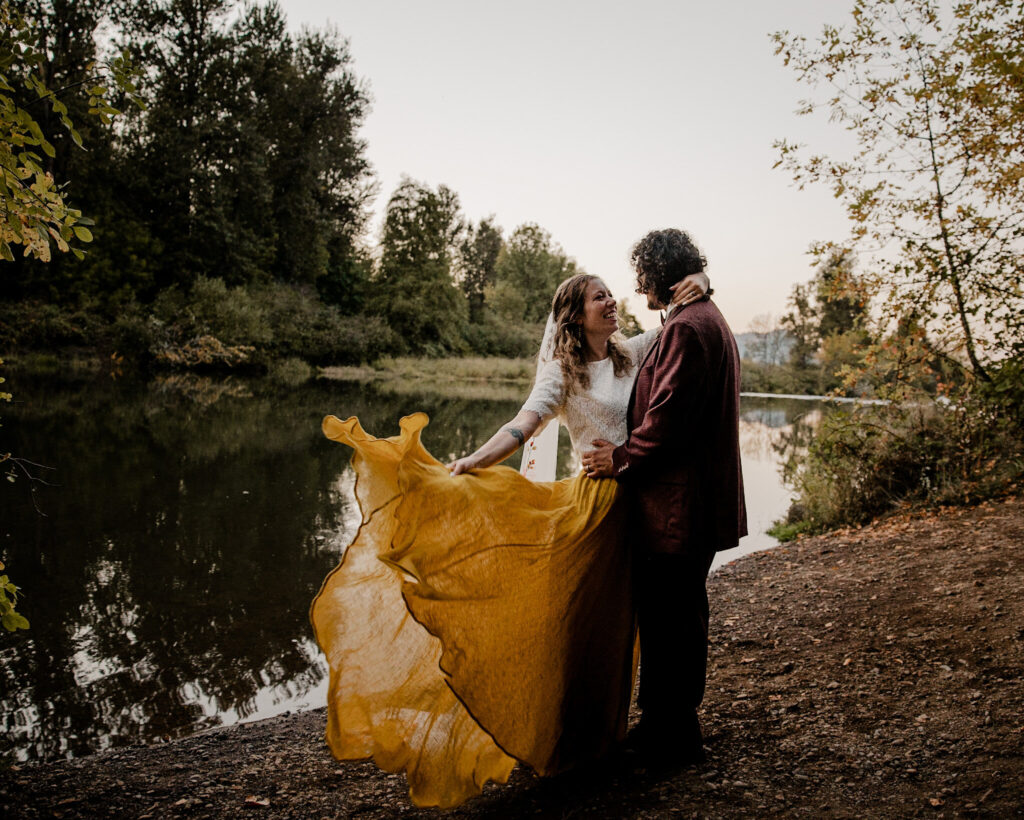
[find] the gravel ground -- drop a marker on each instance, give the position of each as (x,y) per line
(874,672)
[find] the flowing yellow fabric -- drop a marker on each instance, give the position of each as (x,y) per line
(474,621)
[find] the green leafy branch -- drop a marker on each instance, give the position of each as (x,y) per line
(9,616)
(8,591)
(33,210)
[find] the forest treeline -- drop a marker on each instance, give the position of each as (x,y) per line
(231,211)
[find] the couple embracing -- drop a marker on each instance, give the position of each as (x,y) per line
(479,619)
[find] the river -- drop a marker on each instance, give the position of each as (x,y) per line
(168,562)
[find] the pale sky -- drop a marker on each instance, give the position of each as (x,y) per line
(600,121)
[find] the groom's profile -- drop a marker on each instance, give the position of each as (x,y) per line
(680,468)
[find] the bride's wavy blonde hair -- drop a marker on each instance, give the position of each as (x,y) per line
(569,340)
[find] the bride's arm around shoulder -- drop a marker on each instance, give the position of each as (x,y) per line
(637,346)
(693,288)
(543,403)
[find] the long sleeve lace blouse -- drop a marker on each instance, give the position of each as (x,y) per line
(598,412)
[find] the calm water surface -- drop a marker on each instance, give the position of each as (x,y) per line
(169,568)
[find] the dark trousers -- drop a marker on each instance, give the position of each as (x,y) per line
(672,607)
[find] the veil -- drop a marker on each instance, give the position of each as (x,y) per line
(540,455)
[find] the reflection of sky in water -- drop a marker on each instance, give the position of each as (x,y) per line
(306,691)
(169,583)
(763,424)
(339,537)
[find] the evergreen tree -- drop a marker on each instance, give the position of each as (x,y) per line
(478,259)
(178,148)
(414,289)
(247,167)
(318,170)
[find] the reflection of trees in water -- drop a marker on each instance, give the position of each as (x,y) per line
(775,425)
(794,441)
(457,426)
(775,412)
(784,427)
(169,584)
(178,554)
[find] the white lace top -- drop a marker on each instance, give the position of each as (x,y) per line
(600,411)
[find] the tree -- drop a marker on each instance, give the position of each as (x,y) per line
(478,259)
(629,325)
(72,62)
(247,166)
(529,269)
(414,288)
(35,212)
(177,149)
(841,296)
(936,108)
(801,324)
(826,323)
(319,174)
(769,341)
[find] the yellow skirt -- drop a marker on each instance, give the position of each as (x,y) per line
(474,621)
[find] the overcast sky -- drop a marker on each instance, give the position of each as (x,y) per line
(600,121)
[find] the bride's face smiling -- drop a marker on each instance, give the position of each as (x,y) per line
(599,313)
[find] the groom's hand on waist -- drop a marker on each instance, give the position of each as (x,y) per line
(598,462)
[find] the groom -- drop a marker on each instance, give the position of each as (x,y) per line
(680,468)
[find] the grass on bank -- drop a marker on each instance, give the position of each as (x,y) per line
(468,369)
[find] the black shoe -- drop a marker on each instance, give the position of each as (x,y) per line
(666,746)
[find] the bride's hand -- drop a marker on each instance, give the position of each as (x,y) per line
(463,465)
(691,289)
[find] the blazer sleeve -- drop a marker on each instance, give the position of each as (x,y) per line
(678,387)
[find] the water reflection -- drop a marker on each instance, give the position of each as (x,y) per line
(194,519)
(770,429)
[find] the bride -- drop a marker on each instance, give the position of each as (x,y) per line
(479,618)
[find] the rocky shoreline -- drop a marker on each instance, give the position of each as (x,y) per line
(874,672)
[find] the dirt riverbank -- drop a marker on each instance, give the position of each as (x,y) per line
(874,672)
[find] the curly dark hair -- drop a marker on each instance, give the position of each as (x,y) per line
(662,258)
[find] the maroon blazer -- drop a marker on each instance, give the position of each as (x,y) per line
(681,462)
